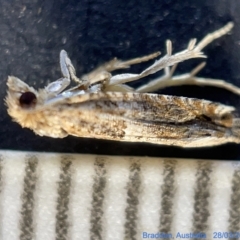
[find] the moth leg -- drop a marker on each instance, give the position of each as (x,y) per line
(119,64)
(102,73)
(160,82)
(57,86)
(67,68)
(193,80)
(167,80)
(187,79)
(68,72)
(214,35)
(162,63)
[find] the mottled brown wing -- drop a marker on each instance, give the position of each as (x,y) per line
(151,118)
(154,107)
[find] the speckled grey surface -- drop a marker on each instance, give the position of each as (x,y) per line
(32,34)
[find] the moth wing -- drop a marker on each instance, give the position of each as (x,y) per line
(151,118)
(153,107)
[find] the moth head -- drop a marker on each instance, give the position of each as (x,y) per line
(20,95)
(22,101)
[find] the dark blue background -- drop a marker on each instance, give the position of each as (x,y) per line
(32,33)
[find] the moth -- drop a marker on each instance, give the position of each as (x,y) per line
(103,106)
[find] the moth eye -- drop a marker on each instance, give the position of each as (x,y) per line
(28,99)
